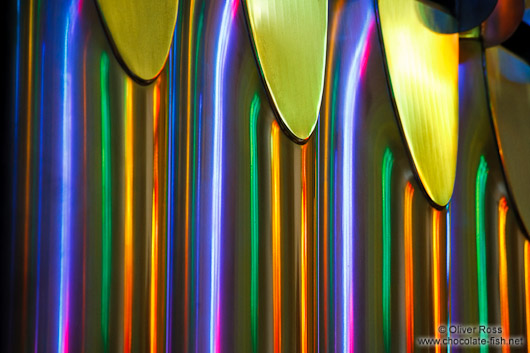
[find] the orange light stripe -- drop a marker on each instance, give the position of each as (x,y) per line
(303,256)
(154,234)
(187,184)
(28,170)
(436,273)
(409,268)
(128,227)
(276,248)
(325,201)
(527,290)
(503,274)
(163,211)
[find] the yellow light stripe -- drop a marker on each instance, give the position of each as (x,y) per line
(187,184)
(409,267)
(276,245)
(28,172)
(303,256)
(436,274)
(128,251)
(154,228)
(527,290)
(503,274)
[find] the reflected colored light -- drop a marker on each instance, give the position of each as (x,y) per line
(388,161)
(480,190)
(66,188)
(303,255)
(436,275)
(276,244)
(229,10)
(503,274)
(197,224)
(409,267)
(85,187)
(508,79)
(187,182)
(172,87)
(423,72)
(195,210)
(153,307)
(40,198)
(527,290)
(27,176)
(254,220)
(316,245)
(106,200)
(448,268)
(292,57)
(14,180)
(128,240)
(331,94)
(356,71)
(332,78)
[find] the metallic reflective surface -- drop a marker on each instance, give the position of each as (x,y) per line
(454,16)
(179,217)
(423,72)
(503,21)
(291,56)
(508,81)
(475,218)
(141,32)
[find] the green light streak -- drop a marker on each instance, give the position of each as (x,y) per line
(331,207)
(388,161)
(106,218)
(254,223)
(480,189)
(196,140)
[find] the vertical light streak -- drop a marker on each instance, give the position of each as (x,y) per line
(303,255)
(66,188)
(197,225)
(276,236)
(357,67)
(170,192)
(503,274)
(39,214)
(65,203)
(28,168)
(527,290)
(187,183)
(388,161)
(85,186)
(128,226)
(106,198)
(448,268)
(436,274)
(409,267)
(154,230)
(197,106)
(229,10)
(254,222)
(14,183)
(331,93)
(316,247)
(480,189)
